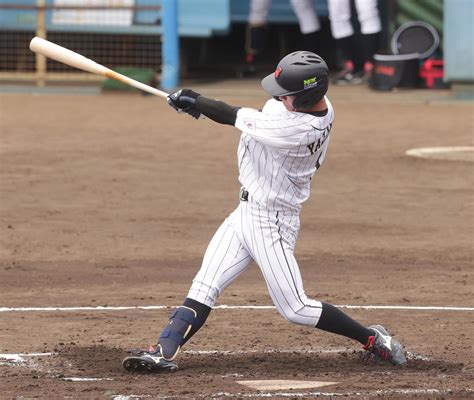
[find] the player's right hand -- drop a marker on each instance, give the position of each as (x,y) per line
(184,100)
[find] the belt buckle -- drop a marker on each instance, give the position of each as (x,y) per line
(243,194)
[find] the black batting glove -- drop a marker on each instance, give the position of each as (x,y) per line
(184,100)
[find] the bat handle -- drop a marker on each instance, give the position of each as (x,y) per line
(131,82)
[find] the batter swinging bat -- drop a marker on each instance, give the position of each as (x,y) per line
(75,60)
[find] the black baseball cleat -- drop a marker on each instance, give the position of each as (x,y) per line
(383,347)
(149,361)
(348,77)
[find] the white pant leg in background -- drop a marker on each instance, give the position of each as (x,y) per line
(307,18)
(259,11)
(340,17)
(368,15)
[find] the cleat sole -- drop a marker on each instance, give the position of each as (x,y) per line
(136,364)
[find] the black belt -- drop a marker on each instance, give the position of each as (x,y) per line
(243,194)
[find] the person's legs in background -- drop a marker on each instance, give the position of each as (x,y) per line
(255,34)
(343,33)
(309,24)
(370,26)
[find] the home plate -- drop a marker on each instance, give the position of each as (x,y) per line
(280,384)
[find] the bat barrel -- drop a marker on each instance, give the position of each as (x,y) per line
(66,56)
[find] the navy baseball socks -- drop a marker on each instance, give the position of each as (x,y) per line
(184,322)
(376,341)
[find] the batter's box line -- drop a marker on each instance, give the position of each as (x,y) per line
(410,355)
(20,357)
(363,394)
(228,307)
(23,360)
(26,360)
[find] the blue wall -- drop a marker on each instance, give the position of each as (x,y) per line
(459,40)
(201,18)
(280,12)
(196,17)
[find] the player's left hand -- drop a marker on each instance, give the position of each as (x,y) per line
(184,100)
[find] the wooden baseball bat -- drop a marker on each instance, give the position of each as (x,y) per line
(78,61)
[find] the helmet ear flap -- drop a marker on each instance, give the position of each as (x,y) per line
(307,99)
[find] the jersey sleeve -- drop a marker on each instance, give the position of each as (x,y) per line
(277,127)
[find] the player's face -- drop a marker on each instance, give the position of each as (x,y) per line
(288,102)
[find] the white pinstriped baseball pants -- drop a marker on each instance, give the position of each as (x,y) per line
(307,18)
(268,237)
(340,16)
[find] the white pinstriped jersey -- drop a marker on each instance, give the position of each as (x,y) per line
(279,152)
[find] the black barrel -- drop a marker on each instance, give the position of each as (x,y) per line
(395,71)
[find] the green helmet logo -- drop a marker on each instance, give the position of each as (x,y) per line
(310,82)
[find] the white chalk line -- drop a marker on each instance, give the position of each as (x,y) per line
(20,357)
(458,153)
(341,350)
(84,379)
(228,307)
(337,394)
(268,351)
(421,151)
(309,394)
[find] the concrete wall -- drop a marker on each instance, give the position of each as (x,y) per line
(459,40)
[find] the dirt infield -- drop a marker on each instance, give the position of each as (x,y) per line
(110,200)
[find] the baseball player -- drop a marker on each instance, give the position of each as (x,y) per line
(281,147)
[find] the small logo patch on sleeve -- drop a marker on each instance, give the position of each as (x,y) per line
(249,124)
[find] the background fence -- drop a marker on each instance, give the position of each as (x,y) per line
(131,33)
(116,33)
